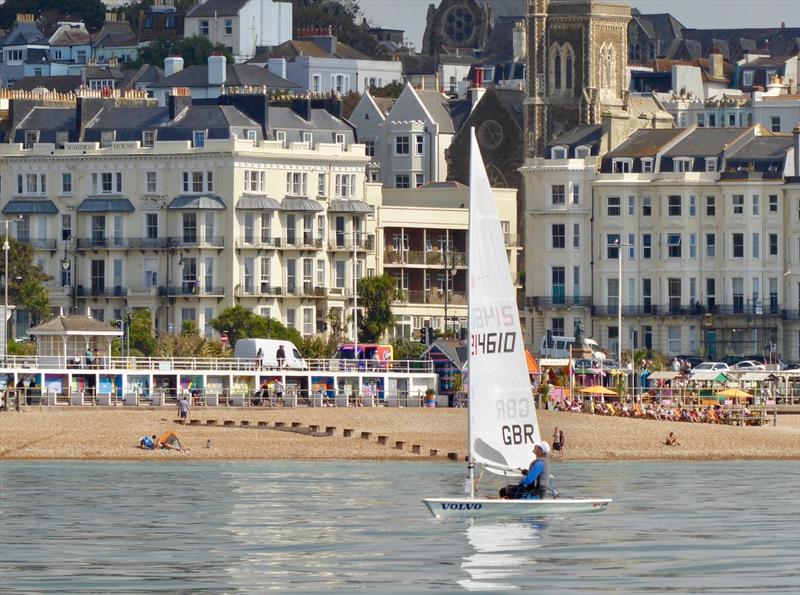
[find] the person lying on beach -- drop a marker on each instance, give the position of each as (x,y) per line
(147,442)
(672,440)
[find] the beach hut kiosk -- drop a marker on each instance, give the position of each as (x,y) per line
(63,341)
(448,357)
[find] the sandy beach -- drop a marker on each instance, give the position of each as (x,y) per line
(56,433)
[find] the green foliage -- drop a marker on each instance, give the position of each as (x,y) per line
(189,345)
(376,295)
(21,348)
(241,323)
(49,12)
(193,50)
(407,350)
(189,327)
(343,16)
(392,90)
(26,287)
(132,9)
(141,333)
(319,347)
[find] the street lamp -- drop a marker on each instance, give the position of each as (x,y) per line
(6,248)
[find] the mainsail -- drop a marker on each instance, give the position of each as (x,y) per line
(503,426)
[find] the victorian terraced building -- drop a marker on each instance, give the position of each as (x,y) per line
(190,208)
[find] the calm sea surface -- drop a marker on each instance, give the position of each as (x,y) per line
(333,526)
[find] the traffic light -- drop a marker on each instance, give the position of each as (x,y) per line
(426,335)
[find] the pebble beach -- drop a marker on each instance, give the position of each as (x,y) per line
(114,433)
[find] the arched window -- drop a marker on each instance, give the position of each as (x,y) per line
(602,68)
(612,68)
(557,70)
(570,65)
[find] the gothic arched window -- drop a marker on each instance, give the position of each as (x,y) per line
(602,68)
(612,68)
(569,67)
(557,70)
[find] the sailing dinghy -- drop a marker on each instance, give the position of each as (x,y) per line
(502,426)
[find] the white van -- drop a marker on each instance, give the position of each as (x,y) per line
(554,346)
(248,349)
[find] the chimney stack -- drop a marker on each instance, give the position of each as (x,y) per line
(216,70)
(172,65)
(715,65)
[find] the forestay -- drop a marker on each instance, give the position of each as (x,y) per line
(503,425)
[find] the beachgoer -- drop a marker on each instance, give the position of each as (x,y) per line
(277,391)
(89,358)
(147,442)
(536,483)
(97,359)
(183,409)
(672,440)
(208,443)
(280,355)
(259,358)
(558,441)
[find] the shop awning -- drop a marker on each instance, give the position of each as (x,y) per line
(200,202)
(30,207)
(106,205)
(301,204)
(533,367)
(663,375)
(257,203)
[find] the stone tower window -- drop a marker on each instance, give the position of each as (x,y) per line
(569,66)
(557,70)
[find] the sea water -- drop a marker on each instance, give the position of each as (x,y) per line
(248,527)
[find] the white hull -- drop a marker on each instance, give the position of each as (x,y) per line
(465,507)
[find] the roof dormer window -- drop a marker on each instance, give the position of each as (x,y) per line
(711,164)
(683,164)
(621,165)
(582,152)
(31,138)
(558,153)
(647,165)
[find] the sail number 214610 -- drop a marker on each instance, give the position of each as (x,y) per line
(488,343)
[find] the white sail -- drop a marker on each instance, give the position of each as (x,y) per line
(503,426)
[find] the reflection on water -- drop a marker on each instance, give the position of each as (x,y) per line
(222,527)
(501,550)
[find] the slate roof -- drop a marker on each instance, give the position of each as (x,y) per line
(437,107)
(384,104)
(47,120)
(220,8)
(505,8)
(583,134)
(203,202)
(499,46)
(61,84)
(459,111)
(128,122)
(24,34)
(771,148)
(196,117)
(705,142)
(71,325)
(644,143)
(69,37)
(257,203)
(663,26)
(295,48)
(236,75)
(349,206)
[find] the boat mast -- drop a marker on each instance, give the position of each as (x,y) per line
(471,458)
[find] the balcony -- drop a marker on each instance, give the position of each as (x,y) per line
(258,290)
(262,243)
(195,241)
(143,292)
(191,289)
(300,242)
(423,257)
(613,311)
(432,296)
(305,290)
(59,292)
(101,291)
(37,243)
(101,242)
(558,301)
(746,309)
(790,314)
(340,242)
(147,243)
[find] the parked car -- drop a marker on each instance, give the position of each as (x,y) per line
(711,367)
(791,366)
(749,365)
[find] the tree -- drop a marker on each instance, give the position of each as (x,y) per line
(407,350)
(141,333)
(48,12)
(343,18)
(189,345)
(392,90)
(240,323)
(193,50)
(319,347)
(376,295)
(27,284)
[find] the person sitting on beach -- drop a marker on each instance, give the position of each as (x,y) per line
(672,440)
(536,483)
(147,442)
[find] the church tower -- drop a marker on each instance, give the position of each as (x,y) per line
(576,65)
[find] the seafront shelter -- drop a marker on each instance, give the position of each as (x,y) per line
(63,341)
